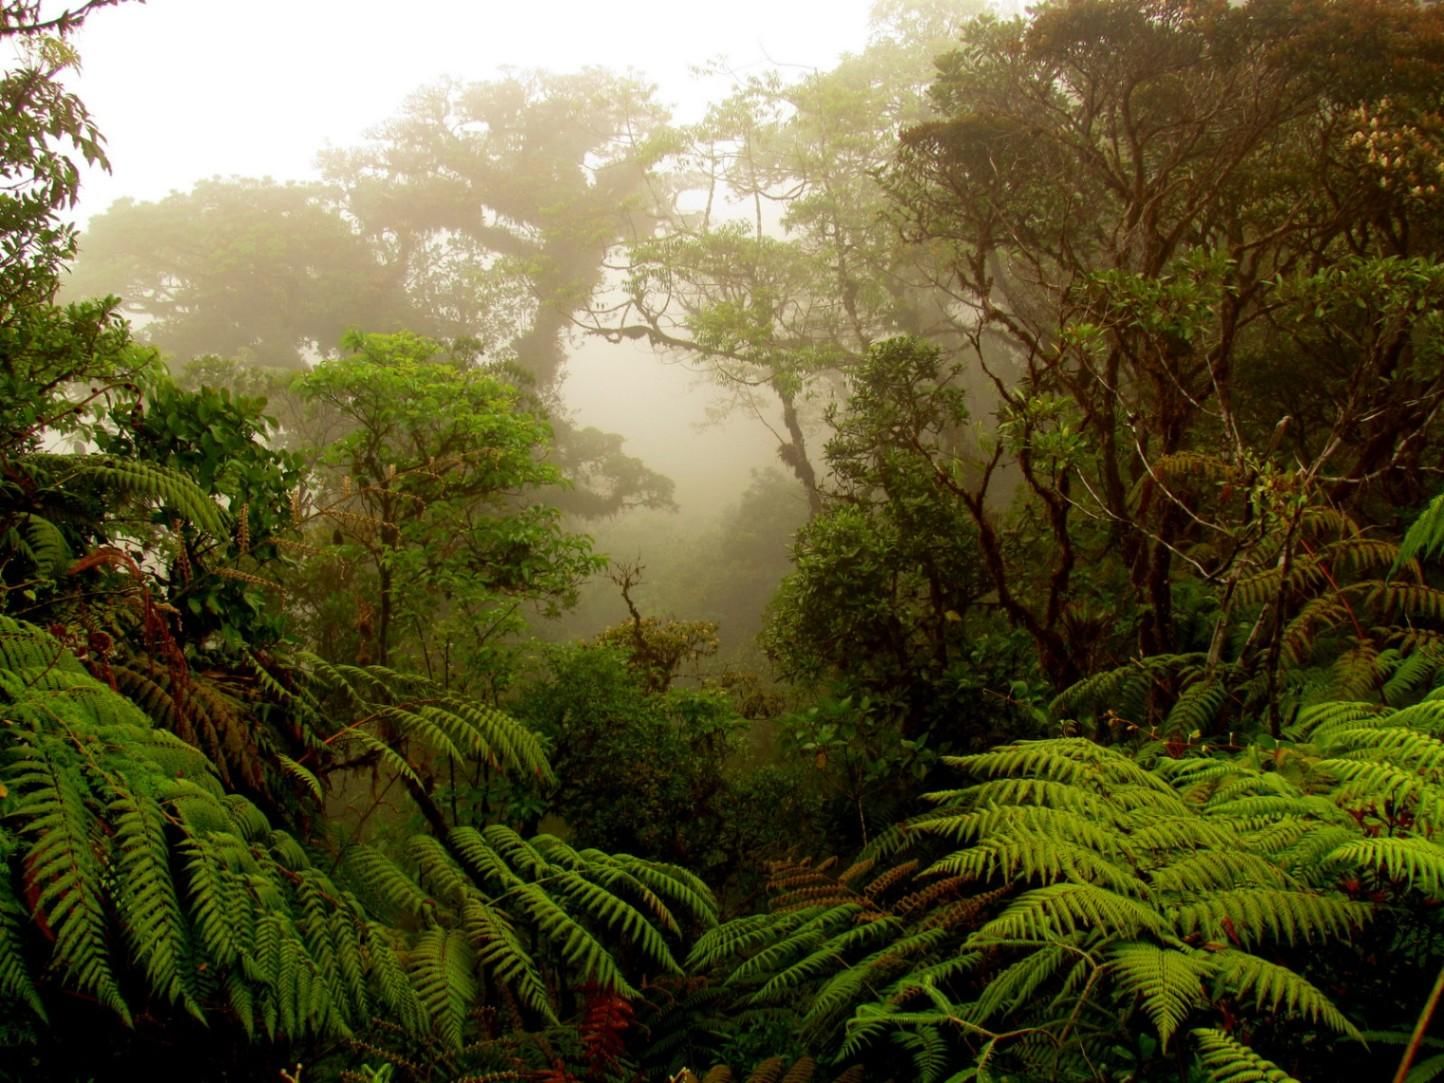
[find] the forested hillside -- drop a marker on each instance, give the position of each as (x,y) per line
(1066,703)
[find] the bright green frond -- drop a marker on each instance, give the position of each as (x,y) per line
(1252,916)
(1169,982)
(1068,908)
(1415,862)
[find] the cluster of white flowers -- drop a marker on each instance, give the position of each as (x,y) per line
(1404,155)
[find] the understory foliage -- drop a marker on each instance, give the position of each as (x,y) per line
(1083,911)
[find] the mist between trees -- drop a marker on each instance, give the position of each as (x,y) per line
(930,572)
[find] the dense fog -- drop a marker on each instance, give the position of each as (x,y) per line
(261,89)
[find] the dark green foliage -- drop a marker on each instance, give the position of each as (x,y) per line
(884,578)
(888,581)
(659,774)
(1199,240)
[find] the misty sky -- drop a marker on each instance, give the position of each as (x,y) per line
(188,89)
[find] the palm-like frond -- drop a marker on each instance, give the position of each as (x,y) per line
(131,480)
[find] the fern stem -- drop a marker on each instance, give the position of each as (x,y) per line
(1073,1020)
(1420,1028)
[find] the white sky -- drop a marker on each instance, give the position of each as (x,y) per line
(188,89)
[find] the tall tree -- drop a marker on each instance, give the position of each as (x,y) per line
(1143,203)
(533,177)
(432,498)
(482,215)
(264,273)
(784,265)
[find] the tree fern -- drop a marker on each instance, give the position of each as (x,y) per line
(441,964)
(523,906)
(39,542)
(1066,908)
(16,984)
(133,480)
(135,861)
(389,711)
(150,908)
(1103,887)
(1276,989)
(62,869)
(1425,536)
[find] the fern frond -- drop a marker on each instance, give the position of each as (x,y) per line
(816,928)
(1073,760)
(149,903)
(1322,717)
(827,956)
(582,950)
(1036,856)
(301,774)
(1413,676)
(15,981)
(1196,707)
(42,543)
(441,967)
(1371,783)
(1199,873)
(1278,989)
(501,953)
(1168,981)
(1062,909)
(662,890)
(1018,983)
(135,480)
(389,979)
(1250,916)
(1416,862)
(1410,600)
(608,909)
(1425,537)
(740,935)
(1227,1060)
(1065,824)
(65,872)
